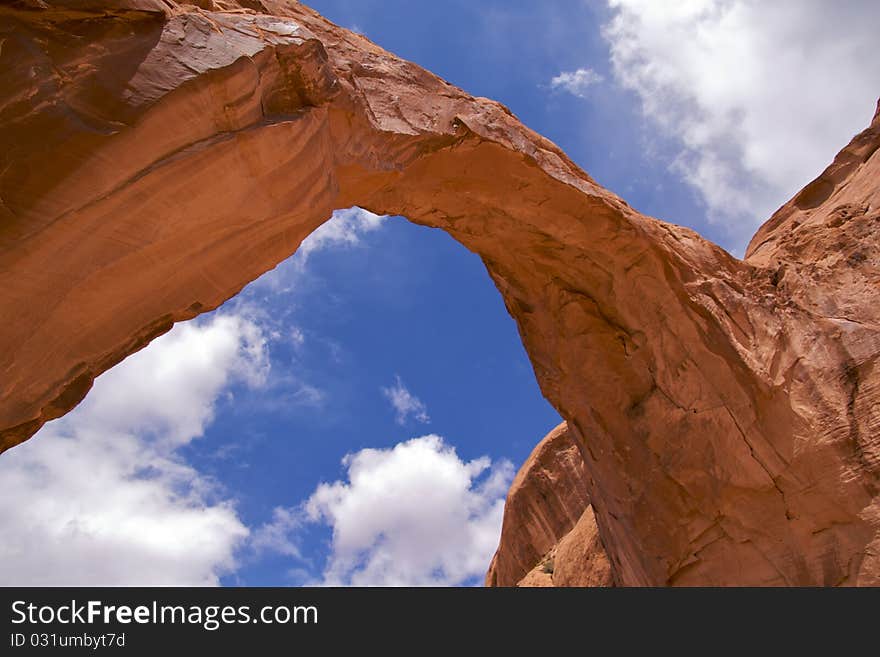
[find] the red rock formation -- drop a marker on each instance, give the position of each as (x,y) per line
(159,155)
(549,535)
(580,558)
(546,499)
(538,577)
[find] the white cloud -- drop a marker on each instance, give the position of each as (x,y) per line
(297,337)
(761,95)
(278,534)
(101,497)
(406,404)
(415,514)
(169,388)
(344,228)
(576,82)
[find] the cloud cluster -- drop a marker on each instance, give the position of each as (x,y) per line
(412,515)
(104,496)
(761,95)
(101,496)
(406,405)
(576,82)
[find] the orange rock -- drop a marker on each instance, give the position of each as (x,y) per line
(157,156)
(549,535)
(546,499)
(537,578)
(580,558)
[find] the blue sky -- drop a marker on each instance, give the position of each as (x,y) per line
(404,310)
(356,415)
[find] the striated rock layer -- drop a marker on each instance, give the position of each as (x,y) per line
(579,559)
(159,155)
(549,535)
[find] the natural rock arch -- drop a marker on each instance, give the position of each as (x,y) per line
(161,155)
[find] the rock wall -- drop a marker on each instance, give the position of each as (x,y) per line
(545,501)
(159,155)
(549,535)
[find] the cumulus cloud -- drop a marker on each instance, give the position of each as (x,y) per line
(168,390)
(761,95)
(101,496)
(406,405)
(412,515)
(576,82)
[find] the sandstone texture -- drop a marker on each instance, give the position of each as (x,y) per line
(159,155)
(547,500)
(537,578)
(580,558)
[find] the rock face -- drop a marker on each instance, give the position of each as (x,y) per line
(549,535)
(545,501)
(159,155)
(580,558)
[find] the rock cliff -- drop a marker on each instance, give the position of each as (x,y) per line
(159,155)
(549,535)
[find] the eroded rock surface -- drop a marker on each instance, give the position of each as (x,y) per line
(580,558)
(549,535)
(159,155)
(545,501)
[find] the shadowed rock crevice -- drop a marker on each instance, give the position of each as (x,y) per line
(160,156)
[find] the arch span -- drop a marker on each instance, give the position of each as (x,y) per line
(165,154)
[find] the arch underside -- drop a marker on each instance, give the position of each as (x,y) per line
(160,158)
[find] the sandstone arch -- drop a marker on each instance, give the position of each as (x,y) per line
(159,155)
